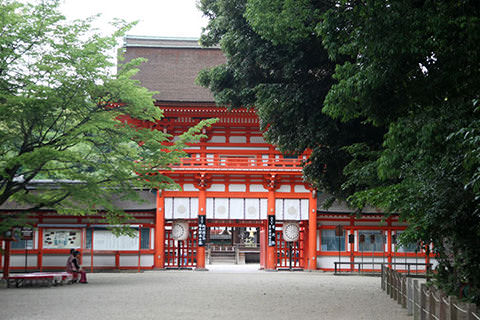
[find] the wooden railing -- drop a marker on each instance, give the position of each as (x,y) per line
(409,267)
(425,302)
(238,163)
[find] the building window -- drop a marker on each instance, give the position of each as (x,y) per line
(22,244)
(88,238)
(104,239)
(145,236)
(371,241)
(331,242)
(411,247)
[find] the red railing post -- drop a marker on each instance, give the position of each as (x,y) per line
(6,263)
(159,259)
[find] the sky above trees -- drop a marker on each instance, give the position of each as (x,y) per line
(179,18)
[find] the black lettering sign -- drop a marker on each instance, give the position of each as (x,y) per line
(202,230)
(351,238)
(271,231)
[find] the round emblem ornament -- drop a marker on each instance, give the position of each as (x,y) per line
(292,211)
(251,211)
(181,209)
(180,231)
(291,231)
(221,210)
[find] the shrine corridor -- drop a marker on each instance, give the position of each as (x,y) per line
(217,294)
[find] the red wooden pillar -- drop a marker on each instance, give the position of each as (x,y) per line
(202,211)
(270,253)
(139,248)
(389,240)
(91,252)
(6,263)
(159,246)
(202,185)
(352,245)
(40,249)
(304,238)
(312,231)
(263,244)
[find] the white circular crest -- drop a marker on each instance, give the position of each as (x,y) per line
(181,209)
(292,211)
(180,231)
(251,211)
(291,231)
(221,210)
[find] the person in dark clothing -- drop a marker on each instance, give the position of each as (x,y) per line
(74,267)
(69,266)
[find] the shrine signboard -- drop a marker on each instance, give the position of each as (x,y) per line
(271,231)
(202,230)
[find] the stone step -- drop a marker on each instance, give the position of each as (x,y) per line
(222,260)
(223,254)
(222,257)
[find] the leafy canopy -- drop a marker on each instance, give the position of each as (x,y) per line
(322,73)
(277,65)
(414,66)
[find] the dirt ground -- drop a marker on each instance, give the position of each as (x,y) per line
(221,293)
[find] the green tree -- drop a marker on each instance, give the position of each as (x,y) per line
(63,118)
(280,68)
(411,69)
(414,66)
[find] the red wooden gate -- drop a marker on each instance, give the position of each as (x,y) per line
(181,254)
(296,249)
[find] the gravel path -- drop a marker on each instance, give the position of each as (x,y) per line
(222,293)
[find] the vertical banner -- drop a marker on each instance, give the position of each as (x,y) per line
(271,231)
(202,230)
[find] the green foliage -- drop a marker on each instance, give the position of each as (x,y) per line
(319,73)
(414,67)
(277,65)
(63,117)
(282,21)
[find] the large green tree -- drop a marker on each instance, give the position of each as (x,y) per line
(285,78)
(414,66)
(63,118)
(409,68)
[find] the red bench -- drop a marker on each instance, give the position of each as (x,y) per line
(39,278)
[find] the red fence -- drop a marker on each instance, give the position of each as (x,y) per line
(290,255)
(220,163)
(181,254)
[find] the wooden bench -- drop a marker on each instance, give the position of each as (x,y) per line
(39,278)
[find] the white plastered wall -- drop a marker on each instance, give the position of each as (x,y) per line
(291,209)
(18,260)
(181,208)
